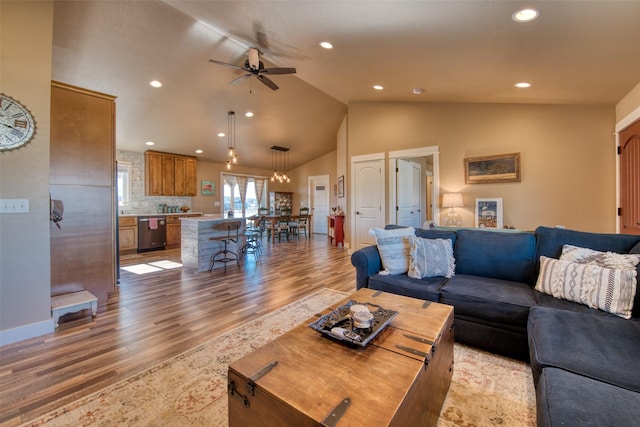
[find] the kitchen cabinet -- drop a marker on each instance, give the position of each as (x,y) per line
(128,234)
(169,174)
(81,175)
(174,229)
(279,200)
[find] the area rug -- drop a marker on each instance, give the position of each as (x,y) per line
(191,388)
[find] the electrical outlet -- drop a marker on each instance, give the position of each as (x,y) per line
(14,205)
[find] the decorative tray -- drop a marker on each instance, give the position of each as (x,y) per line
(338,324)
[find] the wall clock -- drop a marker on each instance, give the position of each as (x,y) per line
(17,126)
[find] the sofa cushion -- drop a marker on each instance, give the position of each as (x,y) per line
(393,246)
(506,256)
(566,399)
(426,289)
(605,348)
(431,258)
(545,300)
(551,240)
(597,287)
(491,299)
(602,259)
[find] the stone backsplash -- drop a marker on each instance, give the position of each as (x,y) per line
(141,204)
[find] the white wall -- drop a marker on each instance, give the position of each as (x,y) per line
(26,30)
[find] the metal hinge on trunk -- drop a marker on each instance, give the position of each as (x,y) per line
(251,384)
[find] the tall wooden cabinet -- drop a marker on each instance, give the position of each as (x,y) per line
(82,176)
(169,174)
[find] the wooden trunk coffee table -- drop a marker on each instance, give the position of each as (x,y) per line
(304,378)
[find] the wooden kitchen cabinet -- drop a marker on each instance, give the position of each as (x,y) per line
(169,174)
(81,175)
(128,234)
(174,230)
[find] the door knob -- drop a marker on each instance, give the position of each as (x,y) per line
(357,212)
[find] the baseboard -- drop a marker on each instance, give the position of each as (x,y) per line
(21,333)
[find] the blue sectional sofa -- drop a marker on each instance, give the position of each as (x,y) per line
(583,360)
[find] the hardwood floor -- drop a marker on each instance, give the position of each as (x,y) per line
(158,315)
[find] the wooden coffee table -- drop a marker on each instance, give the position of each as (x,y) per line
(304,378)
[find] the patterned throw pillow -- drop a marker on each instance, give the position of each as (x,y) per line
(606,289)
(431,258)
(603,259)
(393,246)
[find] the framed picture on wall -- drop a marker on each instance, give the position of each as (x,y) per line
(489,213)
(208,188)
(341,186)
(492,169)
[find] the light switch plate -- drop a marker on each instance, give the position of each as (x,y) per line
(14,205)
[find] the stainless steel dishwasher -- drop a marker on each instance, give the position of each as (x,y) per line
(152,233)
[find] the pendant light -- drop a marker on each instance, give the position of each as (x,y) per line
(232,156)
(280,164)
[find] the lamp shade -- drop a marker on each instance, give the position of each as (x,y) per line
(452,200)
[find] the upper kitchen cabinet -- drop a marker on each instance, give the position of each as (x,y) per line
(169,174)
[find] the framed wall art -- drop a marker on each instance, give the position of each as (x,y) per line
(208,188)
(492,169)
(341,186)
(489,213)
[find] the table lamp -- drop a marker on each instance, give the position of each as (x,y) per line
(452,200)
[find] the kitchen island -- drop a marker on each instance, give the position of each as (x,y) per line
(196,245)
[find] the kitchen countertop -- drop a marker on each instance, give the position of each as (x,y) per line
(160,214)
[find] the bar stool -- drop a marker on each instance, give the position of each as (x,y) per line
(225,255)
(252,243)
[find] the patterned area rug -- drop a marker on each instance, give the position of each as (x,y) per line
(190,389)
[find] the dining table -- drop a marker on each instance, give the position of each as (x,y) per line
(271,223)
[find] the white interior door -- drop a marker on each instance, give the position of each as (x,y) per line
(409,193)
(368,199)
(320,199)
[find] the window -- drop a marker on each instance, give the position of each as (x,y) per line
(124,183)
(234,203)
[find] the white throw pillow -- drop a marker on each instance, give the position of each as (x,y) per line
(393,246)
(431,258)
(606,289)
(603,259)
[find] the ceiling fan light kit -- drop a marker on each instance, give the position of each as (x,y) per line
(255,68)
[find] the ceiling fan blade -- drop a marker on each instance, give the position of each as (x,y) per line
(268,82)
(239,79)
(237,67)
(278,71)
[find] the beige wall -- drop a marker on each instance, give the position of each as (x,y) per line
(568,160)
(26,30)
(324,165)
(630,104)
(209,171)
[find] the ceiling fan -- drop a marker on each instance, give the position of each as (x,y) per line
(254,67)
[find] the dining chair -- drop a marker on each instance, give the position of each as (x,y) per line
(282,227)
(303,221)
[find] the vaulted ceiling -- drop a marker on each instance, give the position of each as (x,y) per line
(585,52)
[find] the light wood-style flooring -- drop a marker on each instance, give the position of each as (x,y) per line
(158,315)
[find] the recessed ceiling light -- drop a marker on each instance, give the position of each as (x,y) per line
(326,45)
(150,143)
(418,91)
(248,114)
(155,83)
(221,134)
(522,85)
(199,151)
(525,15)
(378,87)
